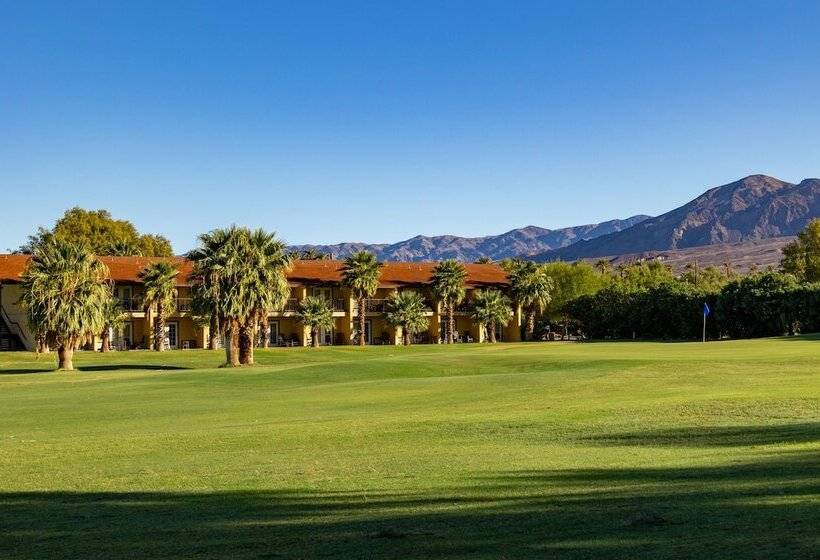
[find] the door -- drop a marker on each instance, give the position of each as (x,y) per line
(123,336)
(368,332)
(274,332)
(171,335)
(326,337)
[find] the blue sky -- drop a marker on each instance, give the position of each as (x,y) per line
(378,121)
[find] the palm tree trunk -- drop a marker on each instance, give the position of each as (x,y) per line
(159,329)
(246,343)
(451,322)
(265,331)
(65,356)
(406,335)
(213,331)
(530,324)
(491,332)
(232,346)
(362,319)
(105,339)
(253,334)
(314,337)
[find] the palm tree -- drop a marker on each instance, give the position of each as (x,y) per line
(159,280)
(240,275)
(65,291)
(408,310)
(262,275)
(449,277)
(315,313)
(531,286)
(210,262)
(491,308)
(361,273)
(113,319)
(603,266)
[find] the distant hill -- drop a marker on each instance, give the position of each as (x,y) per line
(523,241)
(742,256)
(754,208)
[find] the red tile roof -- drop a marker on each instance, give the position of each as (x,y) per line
(126,269)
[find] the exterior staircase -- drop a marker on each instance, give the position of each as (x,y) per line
(9,340)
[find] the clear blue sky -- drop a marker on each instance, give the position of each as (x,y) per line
(378,121)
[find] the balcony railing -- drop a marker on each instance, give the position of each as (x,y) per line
(291,306)
(376,305)
(182,305)
(131,304)
(338,304)
(465,307)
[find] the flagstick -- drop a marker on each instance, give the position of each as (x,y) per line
(704,327)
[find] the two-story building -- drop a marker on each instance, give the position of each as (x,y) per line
(319,278)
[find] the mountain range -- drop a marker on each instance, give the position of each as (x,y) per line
(753,208)
(733,216)
(522,241)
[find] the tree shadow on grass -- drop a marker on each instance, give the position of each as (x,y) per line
(720,436)
(107,367)
(767,509)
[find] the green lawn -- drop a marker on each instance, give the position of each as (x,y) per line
(605,450)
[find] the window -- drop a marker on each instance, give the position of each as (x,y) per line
(326,293)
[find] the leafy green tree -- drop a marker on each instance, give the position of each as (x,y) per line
(801,257)
(449,278)
(360,273)
(643,275)
(531,287)
(315,313)
(65,291)
(407,310)
(710,278)
(159,281)
(758,305)
(569,281)
(124,248)
(491,308)
(101,234)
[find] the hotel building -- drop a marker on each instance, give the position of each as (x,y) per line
(319,278)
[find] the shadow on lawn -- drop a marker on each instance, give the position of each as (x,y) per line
(699,436)
(107,367)
(766,509)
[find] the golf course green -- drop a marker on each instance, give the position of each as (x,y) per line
(540,450)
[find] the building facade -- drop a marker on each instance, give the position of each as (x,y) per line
(316,278)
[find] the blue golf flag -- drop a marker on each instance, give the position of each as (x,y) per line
(706,310)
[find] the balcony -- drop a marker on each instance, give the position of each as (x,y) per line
(291,306)
(130,305)
(182,305)
(338,305)
(376,305)
(465,307)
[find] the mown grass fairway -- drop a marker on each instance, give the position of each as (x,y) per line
(509,451)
